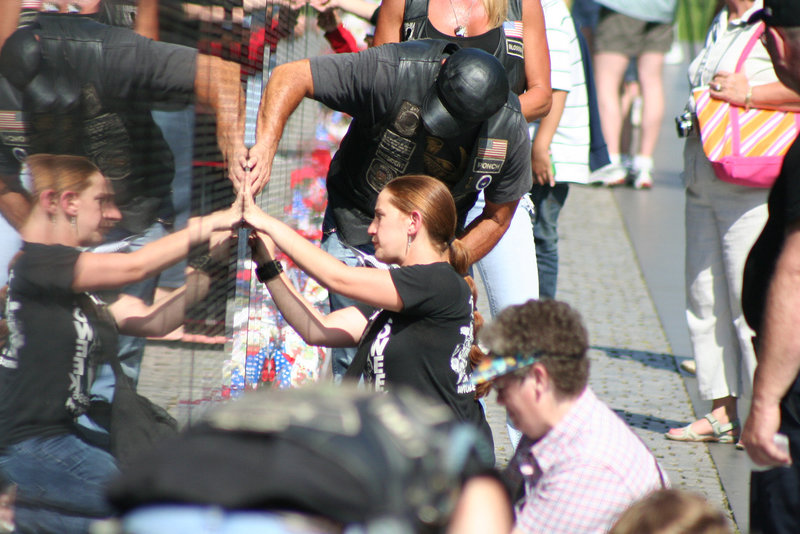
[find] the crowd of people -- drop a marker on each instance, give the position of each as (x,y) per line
(469,121)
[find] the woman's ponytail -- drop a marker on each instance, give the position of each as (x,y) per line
(459,256)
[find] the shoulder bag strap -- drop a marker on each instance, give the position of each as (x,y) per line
(734,110)
(106,320)
(359,363)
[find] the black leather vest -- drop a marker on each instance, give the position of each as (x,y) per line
(13,136)
(69,111)
(369,157)
(509,49)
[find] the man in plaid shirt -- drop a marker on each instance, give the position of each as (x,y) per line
(581,465)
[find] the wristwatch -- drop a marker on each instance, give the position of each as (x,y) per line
(268,271)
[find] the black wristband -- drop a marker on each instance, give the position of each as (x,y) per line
(268,271)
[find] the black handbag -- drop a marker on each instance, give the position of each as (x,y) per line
(135,424)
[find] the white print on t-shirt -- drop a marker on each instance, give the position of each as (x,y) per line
(376,354)
(84,334)
(16,339)
(459,360)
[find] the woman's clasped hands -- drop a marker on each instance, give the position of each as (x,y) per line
(252,215)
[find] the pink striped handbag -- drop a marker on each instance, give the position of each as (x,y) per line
(744,147)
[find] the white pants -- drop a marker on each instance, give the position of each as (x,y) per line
(723,221)
(509,271)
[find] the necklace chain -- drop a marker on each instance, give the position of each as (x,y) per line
(461,29)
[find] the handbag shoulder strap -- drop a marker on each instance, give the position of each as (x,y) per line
(359,363)
(97,308)
(734,111)
(749,46)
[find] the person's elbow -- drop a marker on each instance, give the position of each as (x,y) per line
(135,318)
(313,336)
(297,75)
(536,102)
(545,96)
(501,214)
(137,267)
(325,335)
(216,79)
(547,102)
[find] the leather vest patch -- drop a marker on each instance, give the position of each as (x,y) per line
(513,32)
(395,148)
(490,156)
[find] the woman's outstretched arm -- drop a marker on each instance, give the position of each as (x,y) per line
(134,317)
(370,286)
(96,271)
(536,99)
(341,328)
(390,22)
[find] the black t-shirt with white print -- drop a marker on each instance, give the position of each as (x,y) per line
(426,345)
(47,366)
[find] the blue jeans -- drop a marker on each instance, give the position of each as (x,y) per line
(193,519)
(130,349)
(547,203)
(10,243)
(60,481)
(509,271)
(775,494)
(340,357)
(178,129)
(585,13)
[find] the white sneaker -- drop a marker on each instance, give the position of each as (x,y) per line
(643,180)
(610,175)
(626,160)
(675,54)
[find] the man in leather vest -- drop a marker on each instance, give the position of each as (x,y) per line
(87,89)
(14,204)
(418,107)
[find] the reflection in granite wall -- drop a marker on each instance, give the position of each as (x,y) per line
(235,339)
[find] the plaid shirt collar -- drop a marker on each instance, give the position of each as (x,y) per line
(551,448)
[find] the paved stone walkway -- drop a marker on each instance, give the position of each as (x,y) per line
(633,368)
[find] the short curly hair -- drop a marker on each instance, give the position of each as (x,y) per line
(548,327)
(671,511)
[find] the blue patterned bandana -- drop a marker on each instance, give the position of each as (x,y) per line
(497,366)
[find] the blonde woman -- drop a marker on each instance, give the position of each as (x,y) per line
(513,31)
